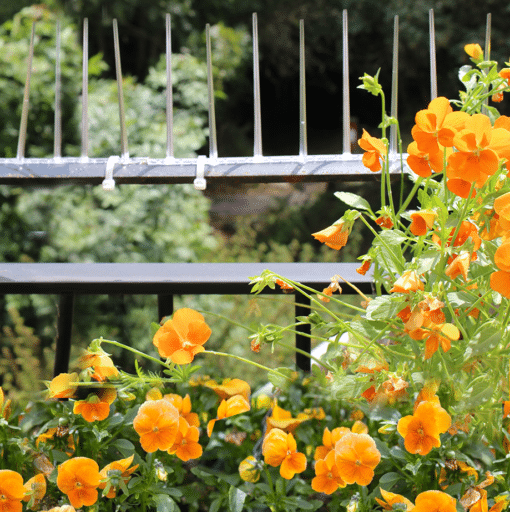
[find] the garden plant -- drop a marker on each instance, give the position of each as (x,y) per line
(406,410)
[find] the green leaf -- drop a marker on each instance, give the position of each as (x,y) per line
(487,337)
(164,503)
(236,499)
(353,200)
(388,480)
(349,387)
(384,308)
(387,244)
(216,504)
(280,377)
(124,446)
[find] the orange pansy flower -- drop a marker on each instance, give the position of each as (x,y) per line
(375,151)
(421,430)
(5,405)
(480,146)
(334,236)
(459,266)
(182,337)
(63,508)
(282,419)
(97,406)
(157,423)
(186,445)
(502,206)
(234,405)
(121,466)
(63,385)
(384,221)
(422,221)
(422,163)
(474,51)
(435,501)
(466,231)
(284,286)
(100,364)
(505,73)
(35,489)
(408,282)
(79,478)
(249,469)
(183,405)
(11,491)
(460,187)
(502,256)
(365,266)
(327,477)
(389,499)
(436,126)
(356,456)
(279,449)
(500,282)
(441,334)
(329,440)
(230,388)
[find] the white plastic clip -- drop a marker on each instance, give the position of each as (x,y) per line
(109,182)
(199,182)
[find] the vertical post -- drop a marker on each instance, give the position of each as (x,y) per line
(303,342)
(85,92)
(394,88)
(26,100)
(64,329)
(57,136)
(433,68)
(124,153)
(213,145)
(257,144)
(346,119)
(303,144)
(165,306)
(169,96)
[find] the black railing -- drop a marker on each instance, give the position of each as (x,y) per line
(165,280)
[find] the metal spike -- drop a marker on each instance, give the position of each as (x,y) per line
(169,97)
(303,138)
(213,145)
(433,68)
(85,92)
(124,153)
(57,145)
(257,149)
(487,53)
(394,87)
(26,100)
(345,86)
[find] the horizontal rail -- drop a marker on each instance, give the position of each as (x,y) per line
(166,278)
(40,171)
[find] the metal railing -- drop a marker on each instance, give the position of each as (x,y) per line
(166,280)
(124,169)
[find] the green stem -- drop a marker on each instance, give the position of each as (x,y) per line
(307,354)
(387,247)
(411,195)
(239,358)
(137,352)
(223,317)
